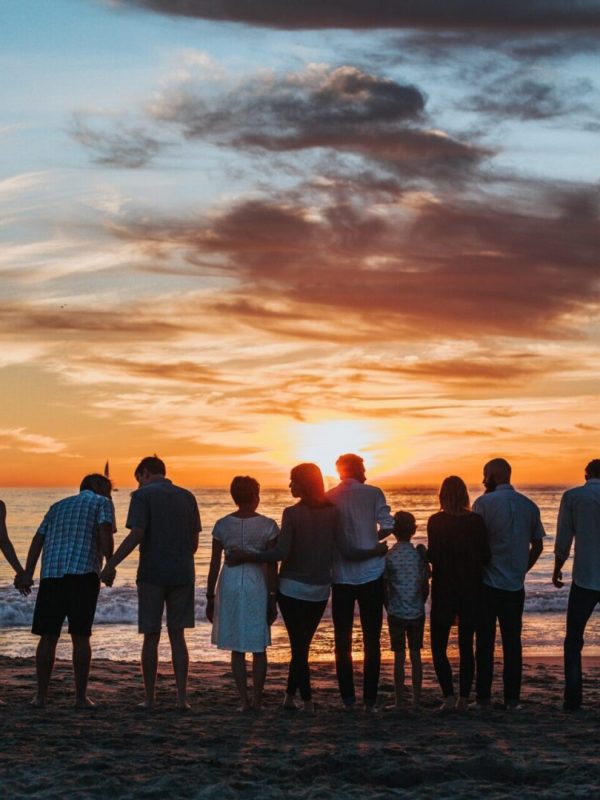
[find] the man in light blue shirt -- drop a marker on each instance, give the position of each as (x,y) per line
(579,519)
(515,534)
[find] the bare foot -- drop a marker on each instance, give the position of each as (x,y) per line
(85,703)
(38,702)
(395,707)
(289,703)
(462,705)
(308,707)
(183,705)
(2,703)
(244,708)
(146,705)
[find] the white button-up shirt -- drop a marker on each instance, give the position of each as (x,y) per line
(513,523)
(579,519)
(362,509)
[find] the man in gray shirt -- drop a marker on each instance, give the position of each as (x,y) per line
(579,519)
(165,523)
(515,534)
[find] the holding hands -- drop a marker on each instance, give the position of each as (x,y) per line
(108,575)
(23,583)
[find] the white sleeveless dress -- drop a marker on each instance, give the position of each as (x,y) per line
(240,618)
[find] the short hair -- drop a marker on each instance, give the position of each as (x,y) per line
(99,484)
(405,523)
(153,464)
(309,478)
(592,470)
(243,489)
(454,497)
(349,463)
(498,465)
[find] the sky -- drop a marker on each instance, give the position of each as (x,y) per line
(242,235)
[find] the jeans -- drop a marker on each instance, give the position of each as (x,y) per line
(442,617)
(301,618)
(370,605)
(581,604)
(507,608)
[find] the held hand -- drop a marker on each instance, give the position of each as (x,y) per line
(380,549)
(234,557)
(210,608)
(108,575)
(23,583)
(271,610)
(557,579)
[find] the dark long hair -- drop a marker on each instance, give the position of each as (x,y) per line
(454,497)
(309,480)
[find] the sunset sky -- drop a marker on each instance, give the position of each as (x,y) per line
(244,234)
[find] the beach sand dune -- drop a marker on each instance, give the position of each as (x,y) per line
(117,751)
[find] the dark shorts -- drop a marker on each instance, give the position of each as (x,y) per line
(73,597)
(152,600)
(402,630)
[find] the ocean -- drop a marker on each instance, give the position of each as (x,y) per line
(115,634)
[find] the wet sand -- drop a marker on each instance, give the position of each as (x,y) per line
(117,751)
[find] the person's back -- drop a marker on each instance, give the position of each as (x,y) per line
(458,551)
(579,518)
(311,531)
(169,516)
(405,574)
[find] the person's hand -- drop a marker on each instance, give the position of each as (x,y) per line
(557,579)
(23,583)
(380,549)
(210,608)
(271,609)
(108,575)
(234,557)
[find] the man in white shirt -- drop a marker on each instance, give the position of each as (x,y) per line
(365,519)
(515,534)
(579,519)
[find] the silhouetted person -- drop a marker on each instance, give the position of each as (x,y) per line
(458,550)
(579,520)
(406,584)
(164,521)
(365,519)
(74,537)
(515,534)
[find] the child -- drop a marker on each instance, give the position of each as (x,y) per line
(244,605)
(406,579)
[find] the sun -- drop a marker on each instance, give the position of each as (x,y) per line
(323,442)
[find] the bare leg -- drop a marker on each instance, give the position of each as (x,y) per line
(399,657)
(259,674)
(417,676)
(181,663)
(44,663)
(238,668)
(150,667)
(82,657)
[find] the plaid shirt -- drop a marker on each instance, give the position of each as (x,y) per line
(70,531)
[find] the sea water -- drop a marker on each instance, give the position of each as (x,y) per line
(115,632)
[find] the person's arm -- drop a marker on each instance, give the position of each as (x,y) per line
(425,571)
(535,551)
(106,540)
(6,546)
(129,543)
(278,552)
(271,570)
(565,533)
(35,550)
(198,528)
(384,517)
(355,553)
(213,574)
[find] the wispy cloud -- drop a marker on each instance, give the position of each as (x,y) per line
(21,439)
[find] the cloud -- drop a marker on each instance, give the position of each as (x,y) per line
(290,14)
(20,439)
(513,96)
(117,145)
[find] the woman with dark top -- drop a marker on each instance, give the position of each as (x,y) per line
(310,530)
(458,550)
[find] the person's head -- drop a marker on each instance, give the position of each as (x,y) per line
(405,525)
(306,482)
(349,465)
(149,469)
(592,470)
(454,497)
(99,484)
(495,472)
(245,491)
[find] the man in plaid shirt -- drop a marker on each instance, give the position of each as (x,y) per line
(75,536)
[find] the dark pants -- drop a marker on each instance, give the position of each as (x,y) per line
(581,604)
(301,618)
(370,605)
(443,614)
(507,608)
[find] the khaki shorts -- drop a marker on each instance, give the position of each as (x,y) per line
(151,603)
(402,630)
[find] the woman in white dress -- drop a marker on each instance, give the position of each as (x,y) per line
(244,604)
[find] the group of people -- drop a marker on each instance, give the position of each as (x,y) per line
(329,543)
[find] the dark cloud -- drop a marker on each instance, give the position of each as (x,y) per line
(512,96)
(117,146)
(442,268)
(291,14)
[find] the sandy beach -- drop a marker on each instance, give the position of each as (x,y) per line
(118,751)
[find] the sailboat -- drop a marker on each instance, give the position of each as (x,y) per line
(107,475)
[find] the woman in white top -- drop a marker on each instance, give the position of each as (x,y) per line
(243,607)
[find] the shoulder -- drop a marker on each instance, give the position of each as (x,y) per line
(2,509)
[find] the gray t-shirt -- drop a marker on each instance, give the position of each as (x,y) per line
(513,523)
(170,520)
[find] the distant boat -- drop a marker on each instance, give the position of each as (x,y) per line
(107,475)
